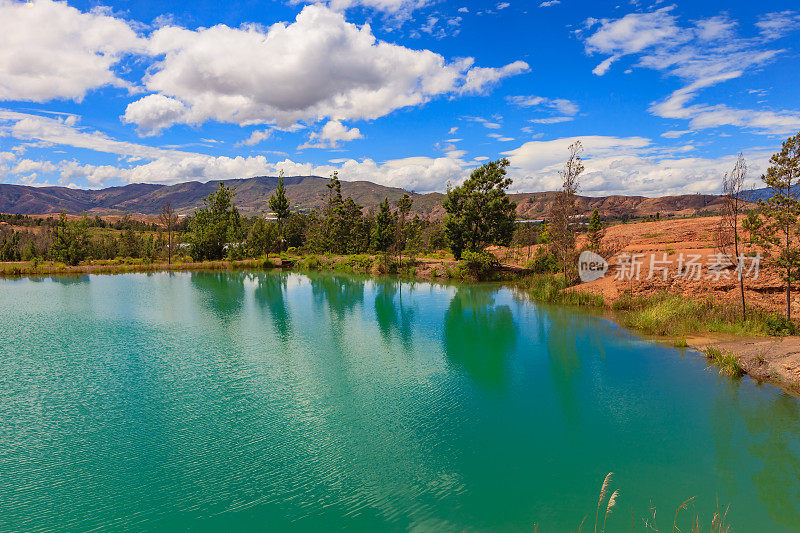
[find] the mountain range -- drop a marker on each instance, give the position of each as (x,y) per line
(307,193)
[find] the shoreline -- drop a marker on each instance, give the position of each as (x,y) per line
(773,360)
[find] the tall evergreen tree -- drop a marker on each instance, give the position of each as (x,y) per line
(70,240)
(216,224)
(403,209)
(479,212)
(595,231)
(279,204)
(384,227)
(781,212)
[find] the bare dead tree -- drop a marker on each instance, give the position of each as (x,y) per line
(168,219)
(733,206)
(564,209)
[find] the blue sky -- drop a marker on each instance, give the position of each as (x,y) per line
(408,93)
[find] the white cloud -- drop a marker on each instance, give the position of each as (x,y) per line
(674,134)
(624,165)
(503,5)
(317,67)
(549,3)
(702,116)
(64,131)
(704,53)
(614,165)
(479,78)
(154,112)
(551,120)
(51,50)
(501,138)
(486,123)
(776,25)
(331,135)
(257,137)
(397,8)
(561,105)
(173,166)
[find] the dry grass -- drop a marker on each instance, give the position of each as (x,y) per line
(718,523)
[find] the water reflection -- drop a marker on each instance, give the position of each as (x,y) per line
(774,427)
(173,398)
(390,313)
(222,293)
(480,335)
(566,350)
(270,293)
(70,280)
(340,293)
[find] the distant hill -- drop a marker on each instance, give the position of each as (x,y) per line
(306,193)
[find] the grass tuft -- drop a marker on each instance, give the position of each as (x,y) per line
(726,361)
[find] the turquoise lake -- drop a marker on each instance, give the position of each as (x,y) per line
(289,402)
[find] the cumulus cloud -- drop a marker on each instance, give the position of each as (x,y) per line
(333,133)
(146,164)
(51,50)
(614,165)
(317,67)
(624,165)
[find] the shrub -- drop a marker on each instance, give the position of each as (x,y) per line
(478,265)
(356,263)
(779,325)
(543,262)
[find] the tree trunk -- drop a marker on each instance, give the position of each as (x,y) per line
(788,295)
(740,261)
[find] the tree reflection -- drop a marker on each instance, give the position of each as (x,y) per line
(480,335)
(390,314)
(221,292)
(341,293)
(570,336)
(270,293)
(774,428)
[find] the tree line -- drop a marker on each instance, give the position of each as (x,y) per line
(478,213)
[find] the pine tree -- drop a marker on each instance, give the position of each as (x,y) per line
(781,212)
(382,232)
(595,231)
(403,208)
(479,212)
(279,204)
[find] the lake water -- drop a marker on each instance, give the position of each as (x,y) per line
(276,402)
